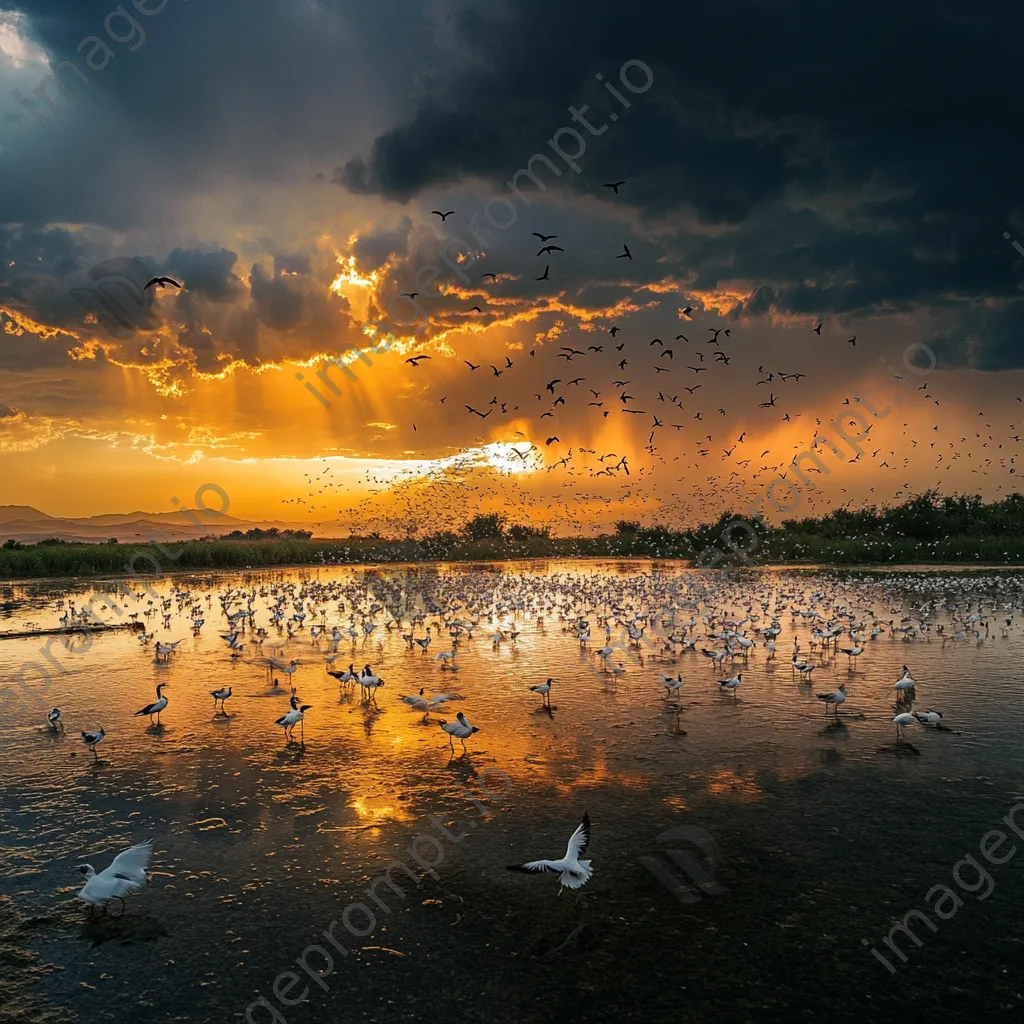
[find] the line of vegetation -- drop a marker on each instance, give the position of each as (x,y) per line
(925,529)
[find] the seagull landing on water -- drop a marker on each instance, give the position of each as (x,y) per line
(220,695)
(53,717)
(835,699)
(420,702)
(572,872)
(126,874)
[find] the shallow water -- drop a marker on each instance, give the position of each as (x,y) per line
(820,833)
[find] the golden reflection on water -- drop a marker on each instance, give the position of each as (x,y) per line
(364,765)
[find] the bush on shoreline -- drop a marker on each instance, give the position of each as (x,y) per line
(925,529)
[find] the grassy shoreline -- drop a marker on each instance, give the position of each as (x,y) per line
(780,547)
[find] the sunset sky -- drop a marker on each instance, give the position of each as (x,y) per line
(785,165)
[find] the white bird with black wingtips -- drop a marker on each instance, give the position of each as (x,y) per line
(544,689)
(462,728)
(905,682)
(835,699)
(126,874)
(156,707)
(572,872)
(93,739)
(220,695)
(53,717)
(293,718)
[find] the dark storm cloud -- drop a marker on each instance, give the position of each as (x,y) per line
(292,263)
(875,141)
(209,274)
(371,250)
(245,89)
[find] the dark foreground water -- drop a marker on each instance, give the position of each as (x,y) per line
(808,836)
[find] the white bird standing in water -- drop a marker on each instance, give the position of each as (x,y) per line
(672,685)
(929,717)
(220,695)
(293,718)
(835,699)
(902,720)
(93,739)
(462,728)
(126,874)
(544,689)
(572,872)
(370,682)
(906,681)
(731,684)
(156,707)
(348,676)
(166,650)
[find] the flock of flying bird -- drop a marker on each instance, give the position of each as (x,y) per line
(663,619)
(661,383)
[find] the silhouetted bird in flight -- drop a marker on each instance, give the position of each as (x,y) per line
(162,282)
(613,185)
(443,216)
(543,238)
(544,276)
(550,248)
(625,254)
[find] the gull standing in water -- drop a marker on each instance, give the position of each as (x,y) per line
(461,728)
(126,874)
(348,676)
(731,684)
(902,720)
(156,707)
(295,717)
(835,699)
(672,685)
(544,689)
(220,695)
(572,872)
(53,717)
(905,682)
(93,739)
(370,682)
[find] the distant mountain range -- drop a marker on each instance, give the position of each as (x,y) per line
(28,525)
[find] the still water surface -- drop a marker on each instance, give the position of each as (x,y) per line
(821,833)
